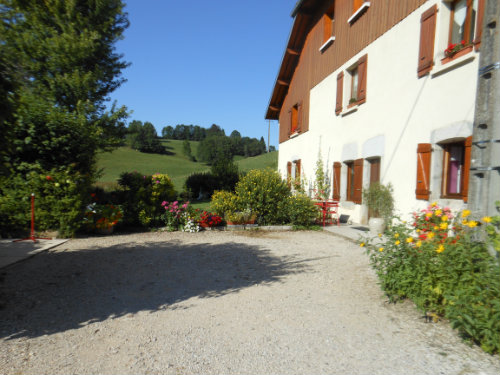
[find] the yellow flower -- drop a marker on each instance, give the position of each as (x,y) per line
(418,244)
(444,218)
(397,242)
(434,204)
(486,219)
(418,230)
(465,213)
(428,214)
(472,224)
(439,212)
(396,235)
(362,244)
(443,226)
(440,249)
(380,249)
(380,234)
(465,222)
(409,240)
(430,235)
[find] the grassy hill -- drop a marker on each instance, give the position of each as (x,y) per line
(175,164)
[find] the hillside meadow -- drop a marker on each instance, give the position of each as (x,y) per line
(174,163)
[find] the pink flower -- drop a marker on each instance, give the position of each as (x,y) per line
(164,203)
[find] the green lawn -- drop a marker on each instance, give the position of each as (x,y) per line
(175,164)
(124,159)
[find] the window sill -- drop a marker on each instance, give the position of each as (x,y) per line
(350,109)
(327,44)
(293,135)
(450,64)
(358,13)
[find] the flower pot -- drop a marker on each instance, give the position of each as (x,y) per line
(204,225)
(457,54)
(376,225)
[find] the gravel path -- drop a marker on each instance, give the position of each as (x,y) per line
(242,303)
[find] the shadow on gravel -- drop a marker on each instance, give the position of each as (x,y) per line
(58,291)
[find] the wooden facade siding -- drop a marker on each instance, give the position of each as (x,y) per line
(312,65)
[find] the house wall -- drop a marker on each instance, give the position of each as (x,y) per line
(401,110)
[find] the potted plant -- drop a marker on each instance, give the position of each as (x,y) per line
(209,220)
(102,217)
(455,50)
(241,217)
(380,202)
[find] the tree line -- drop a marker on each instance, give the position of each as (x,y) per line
(214,144)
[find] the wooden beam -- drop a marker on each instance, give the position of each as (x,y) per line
(292,52)
(273,108)
(283,83)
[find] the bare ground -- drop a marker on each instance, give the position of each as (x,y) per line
(245,303)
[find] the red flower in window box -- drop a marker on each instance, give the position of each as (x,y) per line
(455,50)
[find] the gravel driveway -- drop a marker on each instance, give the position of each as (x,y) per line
(224,302)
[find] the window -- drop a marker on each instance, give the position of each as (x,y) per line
(295,118)
(328,30)
(463,21)
(358,8)
(456,165)
(357,75)
(354,180)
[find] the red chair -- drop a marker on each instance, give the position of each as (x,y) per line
(329,208)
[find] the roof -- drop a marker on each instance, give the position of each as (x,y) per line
(302,15)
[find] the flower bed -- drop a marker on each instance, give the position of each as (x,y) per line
(442,263)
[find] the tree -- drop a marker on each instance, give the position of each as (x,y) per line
(66,66)
(167,132)
(215,148)
(215,130)
(147,140)
(186,150)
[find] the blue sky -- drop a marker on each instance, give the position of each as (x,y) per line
(203,62)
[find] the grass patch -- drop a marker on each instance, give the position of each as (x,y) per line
(268,160)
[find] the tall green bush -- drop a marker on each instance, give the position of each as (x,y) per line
(60,198)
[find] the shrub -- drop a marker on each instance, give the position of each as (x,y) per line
(223,202)
(200,184)
(102,216)
(262,191)
(143,195)
(438,263)
(226,174)
(60,198)
(179,217)
(379,199)
(299,210)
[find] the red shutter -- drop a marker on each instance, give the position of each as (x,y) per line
(358,181)
(297,171)
(479,24)
(336,180)
(465,189)
(299,117)
(289,173)
(362,63)
(427,34)
(340,90)
(423,171)
(357,4)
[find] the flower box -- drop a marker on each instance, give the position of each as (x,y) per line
(457,54)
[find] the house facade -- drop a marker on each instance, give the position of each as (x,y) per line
(381,91)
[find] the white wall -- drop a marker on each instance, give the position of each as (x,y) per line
(400,112)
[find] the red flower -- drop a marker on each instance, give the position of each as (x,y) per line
(48,178)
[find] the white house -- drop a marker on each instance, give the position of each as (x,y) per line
(375,88)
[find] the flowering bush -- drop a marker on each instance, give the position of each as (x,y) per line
(439,263)
(102,216)
(208,219)
(176,216)
(453,48)
(143,195)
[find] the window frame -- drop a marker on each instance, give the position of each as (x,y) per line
(468,20)
(446,170)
